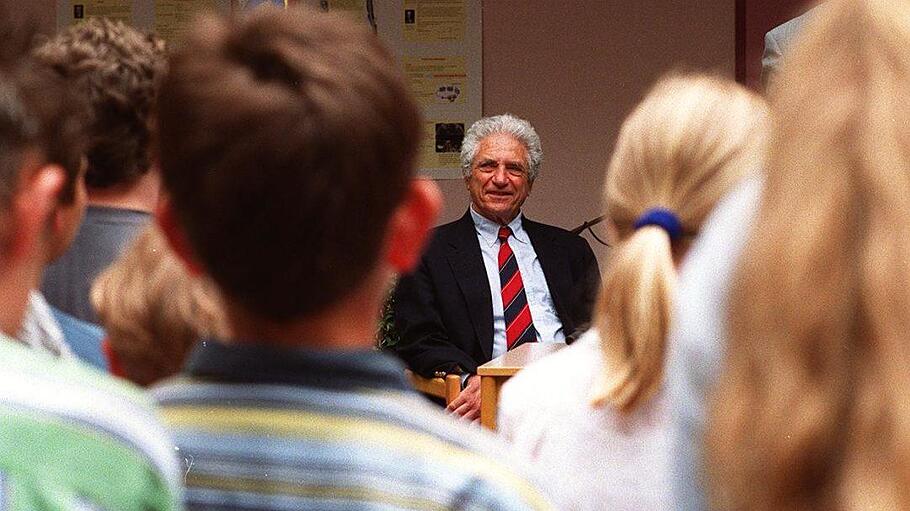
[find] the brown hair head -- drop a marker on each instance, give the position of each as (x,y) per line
(117,69)
(812,411)
(37,110)
(287,138)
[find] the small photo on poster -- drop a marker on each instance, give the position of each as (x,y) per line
(115,10)
(449,137)
(247,5)
(448,93)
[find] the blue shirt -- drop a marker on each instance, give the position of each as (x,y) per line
(543,312)
(83,338)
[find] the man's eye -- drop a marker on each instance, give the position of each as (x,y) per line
(516,171)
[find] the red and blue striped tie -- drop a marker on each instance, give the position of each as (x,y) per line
(519,325)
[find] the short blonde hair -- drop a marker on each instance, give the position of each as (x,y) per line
(152,310)
(812,411)
(682,149)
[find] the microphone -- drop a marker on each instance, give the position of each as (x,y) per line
(587,226)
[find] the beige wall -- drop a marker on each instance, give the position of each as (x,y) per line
(575,68)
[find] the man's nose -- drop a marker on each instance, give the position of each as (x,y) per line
(501,176)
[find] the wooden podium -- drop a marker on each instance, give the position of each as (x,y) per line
(495,372)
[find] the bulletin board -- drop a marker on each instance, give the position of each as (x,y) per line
(168,18)
(439,46)
(437,43)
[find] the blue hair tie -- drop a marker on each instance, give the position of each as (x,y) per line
(663,218)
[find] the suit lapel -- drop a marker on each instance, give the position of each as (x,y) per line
(467,266)
(555,265)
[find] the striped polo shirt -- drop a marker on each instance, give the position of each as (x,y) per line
(73,438)
(271,428)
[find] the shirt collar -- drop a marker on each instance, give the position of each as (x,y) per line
(40,330)
(488,230)
(267,364)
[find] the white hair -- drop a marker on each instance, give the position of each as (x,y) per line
(505,123)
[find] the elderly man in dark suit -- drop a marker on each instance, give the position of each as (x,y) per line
(493,279)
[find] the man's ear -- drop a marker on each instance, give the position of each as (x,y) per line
(176,237)
(411,224)
(30,210)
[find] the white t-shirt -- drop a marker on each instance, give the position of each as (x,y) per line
(592,458)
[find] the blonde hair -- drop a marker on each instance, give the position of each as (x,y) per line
(813,410)
(152,310)
(682,149)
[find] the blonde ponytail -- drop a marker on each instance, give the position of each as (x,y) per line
(680,151)
(812,412)
(634,318)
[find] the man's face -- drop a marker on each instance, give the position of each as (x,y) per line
(499,181)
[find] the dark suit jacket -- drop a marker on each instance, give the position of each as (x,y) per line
(443,311)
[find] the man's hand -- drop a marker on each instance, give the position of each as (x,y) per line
(467,404)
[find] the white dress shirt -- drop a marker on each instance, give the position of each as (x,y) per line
(543,313)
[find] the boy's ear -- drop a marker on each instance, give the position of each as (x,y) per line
(176,237)
(411,224)
(30,210)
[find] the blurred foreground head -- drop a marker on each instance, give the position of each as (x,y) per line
(40,132)
(287,142)
(812,412)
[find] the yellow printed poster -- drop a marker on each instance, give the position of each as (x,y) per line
(440,145)
(121,10)
(173,16)
(437,80)
(430,21)
(248,5)
(354,8)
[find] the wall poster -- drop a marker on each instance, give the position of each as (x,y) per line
(437,43)
(168,18)
(439,46)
